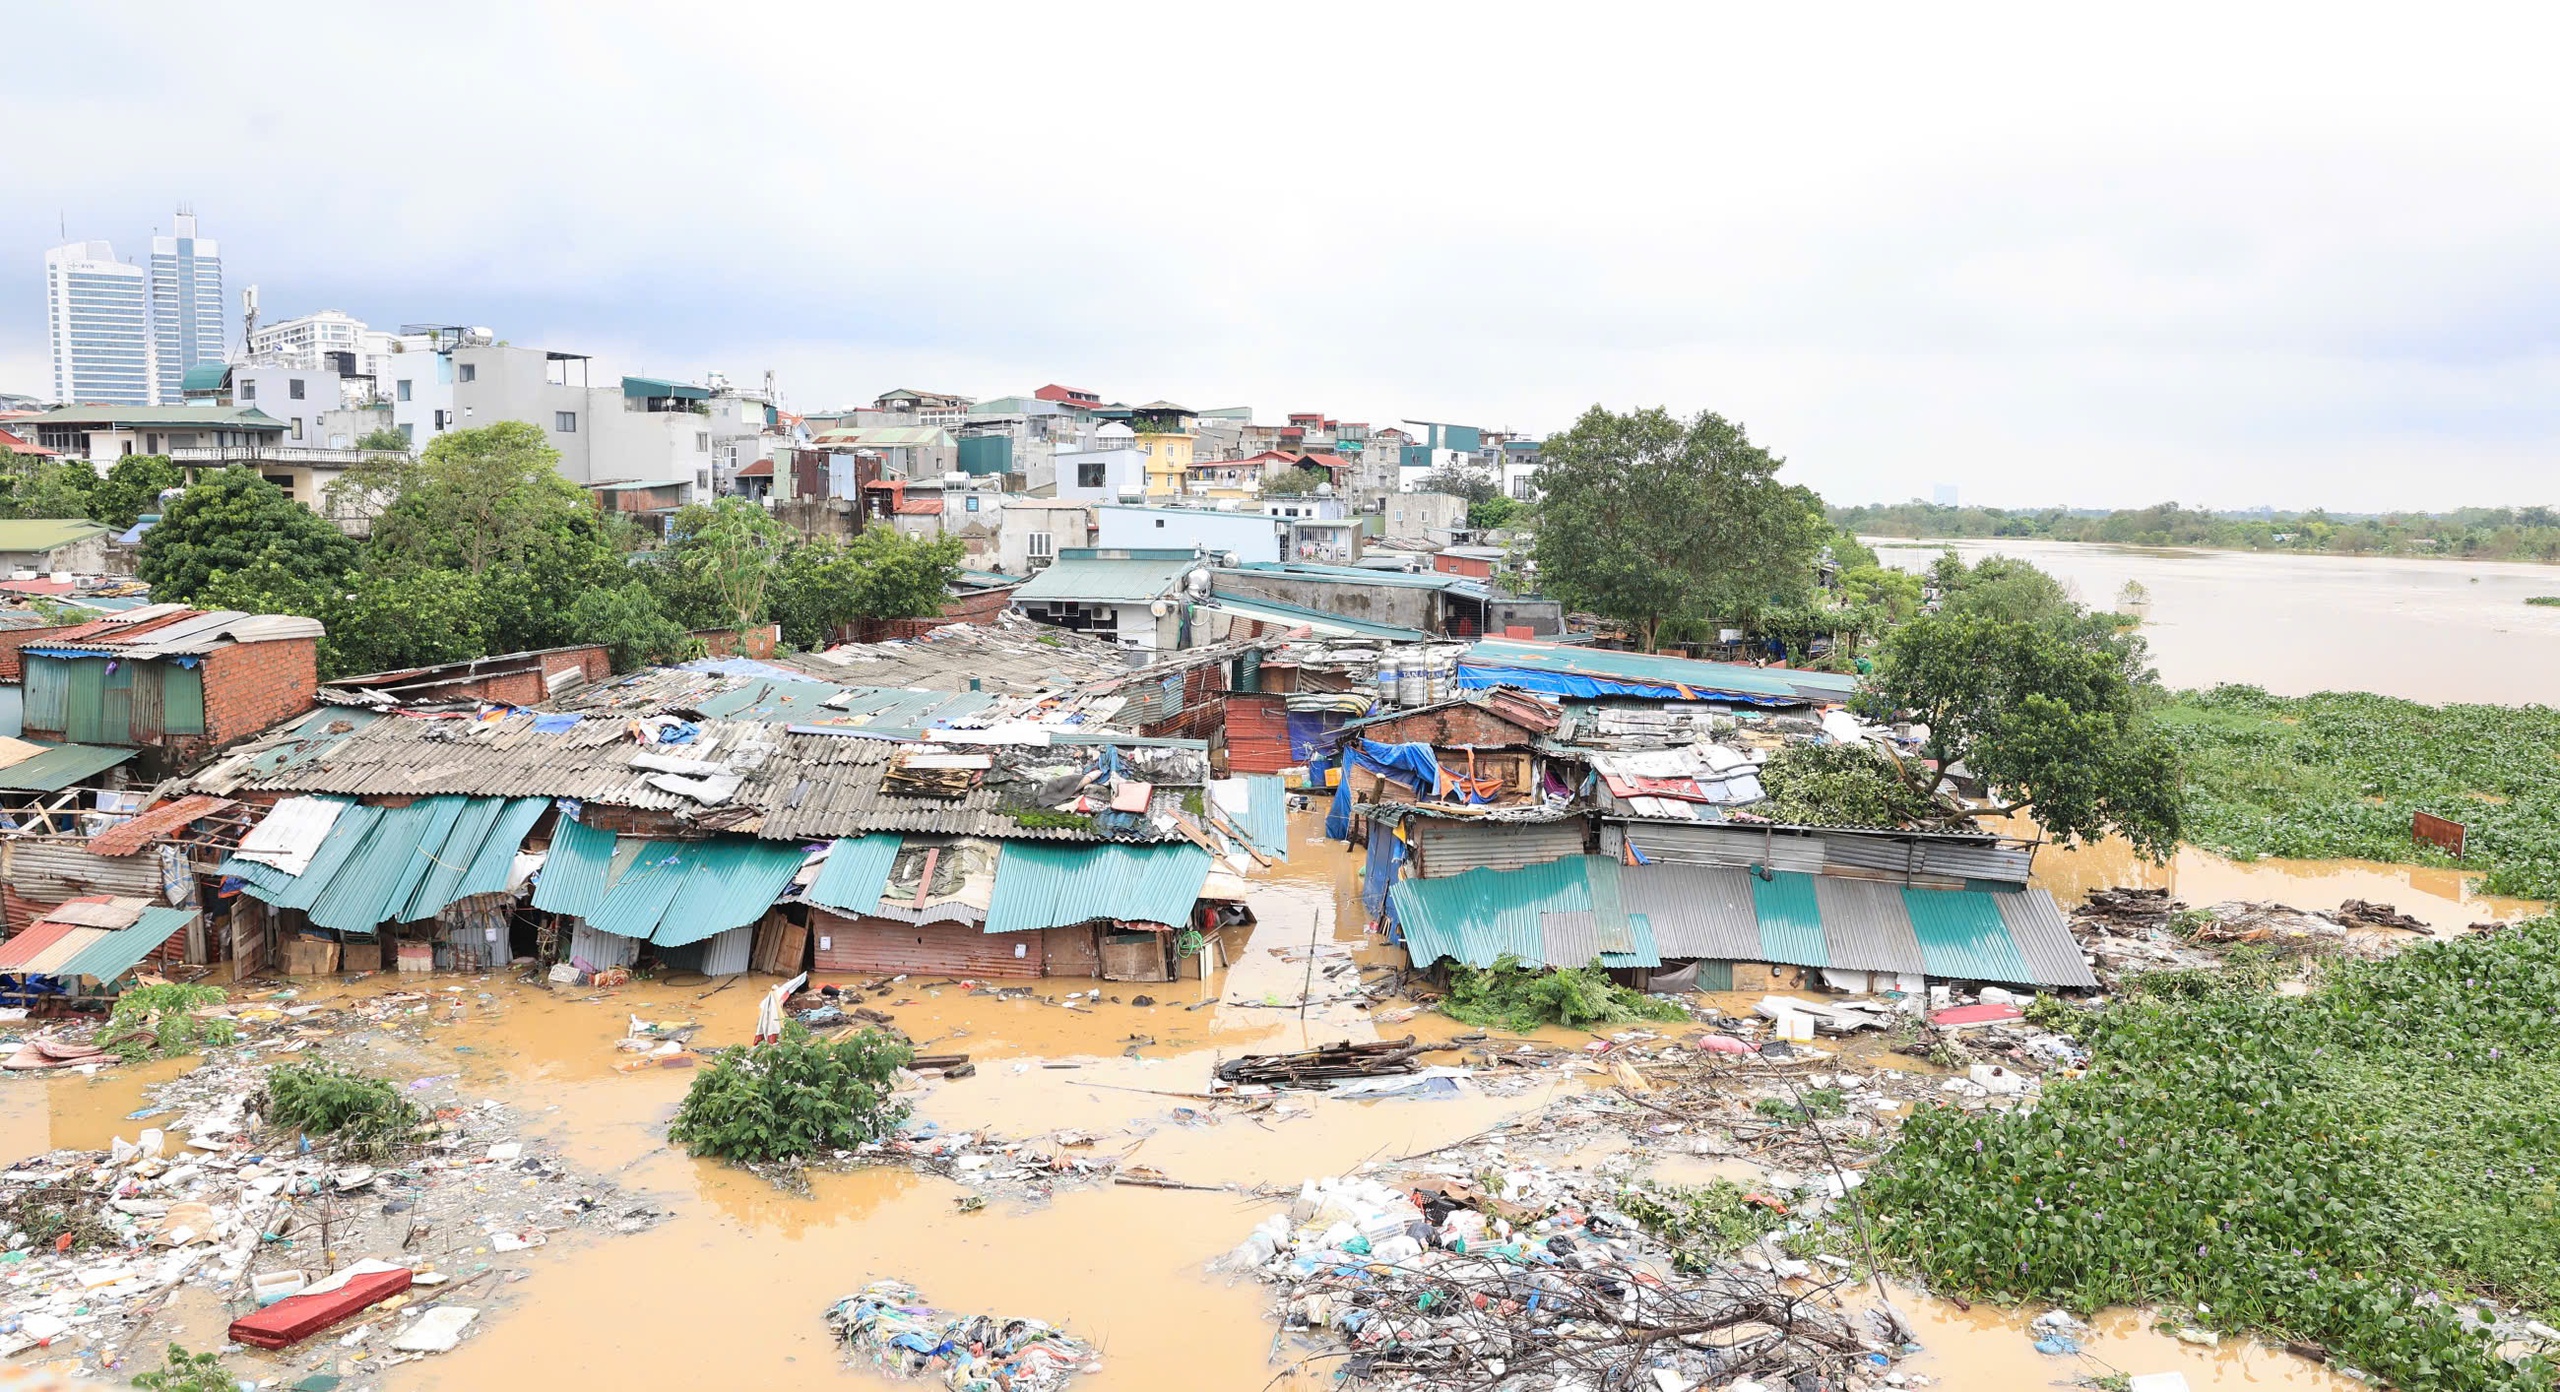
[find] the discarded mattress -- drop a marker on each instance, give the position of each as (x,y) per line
(297,1317)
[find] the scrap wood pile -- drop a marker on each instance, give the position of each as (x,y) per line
(889,1324)
(1430,1283)
(1313,1067)
(2126,931)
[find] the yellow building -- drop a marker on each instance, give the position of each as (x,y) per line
(1164,432)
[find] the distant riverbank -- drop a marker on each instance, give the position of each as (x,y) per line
(2426,629)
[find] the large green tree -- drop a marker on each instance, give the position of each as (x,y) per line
(726,553)
(822,586)
(1649,520)
(376,620)
(229,521)
(2051,715)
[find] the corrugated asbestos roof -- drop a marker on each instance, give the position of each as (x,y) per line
(44,533)
(1561,910)
(799,785)
(856,870)
(166,631)
(60,766)
(1316,621)
(1058,886)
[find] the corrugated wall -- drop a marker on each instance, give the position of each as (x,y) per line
(1696,910)
(1444,848)
(601,949)
(52,871)
(879,946)
(1257,734)
(1674,843)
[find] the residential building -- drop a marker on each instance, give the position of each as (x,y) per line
(1245,536)
(186,307)
(1442,448)
(905,451)
(1164,433)
(1110,469)
(418,378)
(1381,464)
(104,434)
(1036,529)
(924,407)
(1130,597)
(653,433)
(319,407)
(1432,517)
(309,340)
(747,428)
(98,325)
(1520,470)
(52,545)
(164,677)
(1071,396)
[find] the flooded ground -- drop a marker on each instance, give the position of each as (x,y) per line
(730,1291)
(2431,631)
(2443,898)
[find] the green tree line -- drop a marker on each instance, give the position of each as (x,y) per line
(2489,534)
(479,546)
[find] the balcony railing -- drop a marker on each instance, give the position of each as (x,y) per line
(276,454)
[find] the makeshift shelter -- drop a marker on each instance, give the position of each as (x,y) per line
(89,946)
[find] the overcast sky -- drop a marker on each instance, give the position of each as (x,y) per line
(2230,255)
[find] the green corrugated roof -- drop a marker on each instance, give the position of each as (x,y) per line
(1105,582)
(346,835)
(204,417)
(575,873)
(204,377)
(772,700)
(1486,914)
(660,386)
(45,533)
(120,951)
(383,865)
(671,892)
(60,766)
(856,871)
(639,896)
(1045,886)
(1790,920)
(1964,937)
(734,880)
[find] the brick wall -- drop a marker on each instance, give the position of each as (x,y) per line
(12,668)
(251,686)
(976,607)
(757,643)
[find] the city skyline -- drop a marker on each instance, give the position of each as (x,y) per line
(124,333)
(2032,257)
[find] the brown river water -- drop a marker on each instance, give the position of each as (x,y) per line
(730,1292)
(2433,631)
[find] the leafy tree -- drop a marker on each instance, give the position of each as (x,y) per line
(793,1098)
(132,488)
(477,499)
(1304,479)
(1497,513)
(57,488)
(2050,716)
(1474,485)
(630,625)
(377,620)
(1649,519)
(384,438)
(728,551)
(232,520)
(1838,785)
(905,577)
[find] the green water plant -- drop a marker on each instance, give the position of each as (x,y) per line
(359,1116)
(187,1372)
(1510,996)
(1700,1223)
(160,1022)
(2341,1166)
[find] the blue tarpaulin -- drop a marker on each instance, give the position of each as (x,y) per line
(1410,764)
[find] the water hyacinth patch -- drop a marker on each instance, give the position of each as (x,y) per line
(2305,1167)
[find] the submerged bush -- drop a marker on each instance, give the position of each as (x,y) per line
(1515,997)
(793,1098)
(357,1115)
(2306,1166)
(160,1022)
(187,1372)
(1699,1223)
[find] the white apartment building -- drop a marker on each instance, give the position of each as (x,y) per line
(307,340)
(98,326)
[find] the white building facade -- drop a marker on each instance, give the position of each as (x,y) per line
(98,325)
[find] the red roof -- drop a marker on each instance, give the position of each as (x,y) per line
(1054,392)
(39,587)
(111,630)
(762,468)
(131,835)
(1323,460)
(20,445)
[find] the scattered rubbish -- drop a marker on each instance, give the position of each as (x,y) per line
(436,1331)
(1333,1061)
(889,1323)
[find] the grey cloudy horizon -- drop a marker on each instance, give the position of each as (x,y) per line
(2234,256)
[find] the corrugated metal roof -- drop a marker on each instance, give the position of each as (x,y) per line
(399,864)
(2044,939)
(1695,910)
(120,951)
(50,872)
(136,832)
(1082,580)
(1317,621)
(639,896)
(1865,926)
(1485,662)
(152,631)
(1642,950)
(1266,818)
(60,766)
(45,533)
(49,959)
(17,952)
(856,869)
(1790,921)
(1486,914)
(1057,886)
(733,881)
(1964,936)
(576,871)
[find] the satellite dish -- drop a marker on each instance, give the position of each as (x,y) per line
(1160,608)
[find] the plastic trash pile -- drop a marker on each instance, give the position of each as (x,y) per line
(889,1323)
(1540,1287)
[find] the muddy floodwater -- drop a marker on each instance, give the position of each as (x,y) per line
(2433,631)
(730,1292)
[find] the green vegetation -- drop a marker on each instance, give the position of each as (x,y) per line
(2517,534)
(160,1022)
(2338,775)
(2547,600)
(359,1116)
(384,438)
(793,1098)
(1837,785)
(1497,513)
(1509,996)
(35,487)
(1653,521)
(1699,1223)
(1298,482)
(2307,1166)
(1817,1102)
(2046,703)
(187,1372)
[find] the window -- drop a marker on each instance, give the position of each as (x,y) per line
(1089,473)
(409,433)
(1039,545)
(294,389)
(248,391)
(1159,521)
(297,427)
(400,390)
(443,418)
(566,422)
(969,504)
(702,442)
(470,372)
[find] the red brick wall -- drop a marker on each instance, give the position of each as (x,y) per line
(977,607)
(250,686)
(12,639)
(757,643)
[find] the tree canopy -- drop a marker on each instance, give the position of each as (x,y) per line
(2049,708)
(1497,513)
(1651,520)
(230,521)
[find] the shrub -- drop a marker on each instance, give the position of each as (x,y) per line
(1520,998)
(1698,1223)
(357,1115)
(160,1022)
(187,1372)
(792,1098)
